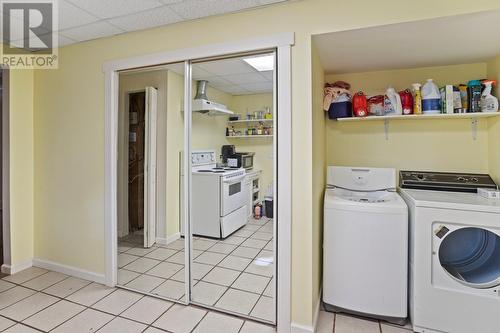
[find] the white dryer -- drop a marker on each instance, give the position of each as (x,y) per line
(454,254)
(365,246)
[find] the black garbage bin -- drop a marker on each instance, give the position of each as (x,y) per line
(268,203)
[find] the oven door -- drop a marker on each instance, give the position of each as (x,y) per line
(233,195)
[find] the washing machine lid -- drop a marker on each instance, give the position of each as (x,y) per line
(384,202)
(451,200)
(362,179)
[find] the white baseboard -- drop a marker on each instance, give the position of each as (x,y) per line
(296,328)
(13,269)
(318,308)
(169,239)
(69,270)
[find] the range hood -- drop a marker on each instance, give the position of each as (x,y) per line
(202,104)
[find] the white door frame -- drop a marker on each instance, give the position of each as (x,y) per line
(150,163)
(5,225)
(282,42)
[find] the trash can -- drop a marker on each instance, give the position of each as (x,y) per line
(268,203)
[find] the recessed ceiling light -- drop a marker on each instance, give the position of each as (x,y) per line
(262,64)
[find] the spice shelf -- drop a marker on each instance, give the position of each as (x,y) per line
(247,136)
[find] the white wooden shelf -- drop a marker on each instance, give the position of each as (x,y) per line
(250,121)
(423,116)
(472,116)
(248,136)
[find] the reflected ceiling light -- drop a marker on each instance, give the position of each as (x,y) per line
(262,64)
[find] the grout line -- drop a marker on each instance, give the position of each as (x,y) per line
(260,225)
(85,307)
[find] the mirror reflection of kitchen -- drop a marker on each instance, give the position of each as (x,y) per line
(232,186)
(151,127)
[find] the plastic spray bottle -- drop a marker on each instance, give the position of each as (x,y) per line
(489,103)
(417,98)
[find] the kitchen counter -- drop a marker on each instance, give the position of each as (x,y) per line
(253,173)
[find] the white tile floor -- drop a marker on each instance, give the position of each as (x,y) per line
(70,305)
(233,274)
(341,323)
(37,300)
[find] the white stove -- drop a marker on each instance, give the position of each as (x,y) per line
(218,200)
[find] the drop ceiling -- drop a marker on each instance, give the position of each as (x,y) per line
(82,20)
(233,76)
(465,39)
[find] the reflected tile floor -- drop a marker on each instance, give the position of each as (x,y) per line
(37,300)
(235,274)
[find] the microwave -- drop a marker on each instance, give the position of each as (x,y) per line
(241,160)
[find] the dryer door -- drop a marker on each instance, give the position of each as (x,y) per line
(470,255)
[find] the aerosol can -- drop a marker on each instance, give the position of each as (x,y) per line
(489,103)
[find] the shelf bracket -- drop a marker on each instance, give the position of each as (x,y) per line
(386,129)
(473,124)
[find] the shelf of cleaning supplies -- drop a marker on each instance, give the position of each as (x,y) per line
(248,136)
(423,116)
(472,116)
(250,121)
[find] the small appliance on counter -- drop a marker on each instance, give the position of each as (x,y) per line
(227,151)
(233,159)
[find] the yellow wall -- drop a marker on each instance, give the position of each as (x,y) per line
(438,145)
(69,121)
(262,147)
(21,165)
(318,174)
(494,124)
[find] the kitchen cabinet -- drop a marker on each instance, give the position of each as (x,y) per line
(252,189)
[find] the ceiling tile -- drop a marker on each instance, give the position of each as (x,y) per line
(91,31)
(191,9)
(200,74)
(233,90)
(268,75)
(215,80)
(259,87)
(146,19)
(226,67)
(114,8)
(245,78)
(71,16)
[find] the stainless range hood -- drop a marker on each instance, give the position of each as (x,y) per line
(202,104)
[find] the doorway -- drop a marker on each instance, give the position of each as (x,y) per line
(282,203)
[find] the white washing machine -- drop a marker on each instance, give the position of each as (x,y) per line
(454,253)
(365,245)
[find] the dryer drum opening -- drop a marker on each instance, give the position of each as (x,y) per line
(472,256)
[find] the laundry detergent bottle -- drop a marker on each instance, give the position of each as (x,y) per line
(392,102)
(489,103)
(431,98)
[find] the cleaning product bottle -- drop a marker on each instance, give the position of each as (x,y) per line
(474,91)
(406,101)
(489,103)
(392,102)
(417,98)
(431,98)
(464,96)
(359,105)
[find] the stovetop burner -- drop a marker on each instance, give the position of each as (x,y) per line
(445,181)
